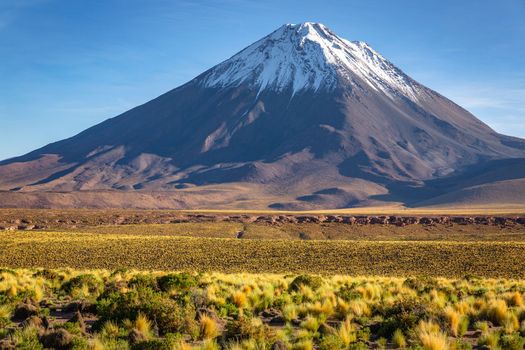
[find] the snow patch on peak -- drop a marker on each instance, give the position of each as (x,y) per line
(309,56)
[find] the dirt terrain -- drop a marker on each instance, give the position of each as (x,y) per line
(26,219)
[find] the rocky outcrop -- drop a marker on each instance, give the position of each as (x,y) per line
(80,219)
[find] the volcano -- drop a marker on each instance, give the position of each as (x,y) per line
(301,119)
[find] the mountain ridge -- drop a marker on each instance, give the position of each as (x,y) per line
(301,117)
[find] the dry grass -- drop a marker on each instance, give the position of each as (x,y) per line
(325,231)
(431,337)
(143,325)
(392,258)
(209,327)
(403,312)
(500,209)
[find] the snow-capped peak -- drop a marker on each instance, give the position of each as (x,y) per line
(309,56)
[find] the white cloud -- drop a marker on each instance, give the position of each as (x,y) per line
(501,104)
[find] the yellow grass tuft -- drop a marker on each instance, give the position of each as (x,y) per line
(398,339)
(97,344)
(143,325)
(311,324)
(5,311)
(209,327)
(496,311)
(359,308)
(209,345)
(12,291)
(305,344)
(431,337)
(290,312)
(110,329)
(516,299)
(453,318)
(347,332)
(38,294)
(511,323)
(240,299)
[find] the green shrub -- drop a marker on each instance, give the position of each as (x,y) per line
(421,284)
(358,346)
(313,282)
(461,345)
(228,309)
(79,343)
(246,328)
(347,292)
(490,339)
(403,315)
(154,344)
(169,315)
(49,275)
(71,327)
(512,342)
(27,338)
(331,342)
(93,284)
(144,281)
(179,282)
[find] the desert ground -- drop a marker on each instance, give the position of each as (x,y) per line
(344,279)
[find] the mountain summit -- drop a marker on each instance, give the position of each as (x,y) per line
(300,119)
(309,56)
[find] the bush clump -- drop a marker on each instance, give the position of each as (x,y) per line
(168,314)
(403,315)
(88,281)
(314,282)
(179,282)
(143,281)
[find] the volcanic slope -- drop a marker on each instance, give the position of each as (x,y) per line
(301,119)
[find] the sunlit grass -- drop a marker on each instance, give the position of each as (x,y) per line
(146,252)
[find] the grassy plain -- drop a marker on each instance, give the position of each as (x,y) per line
(171,252)
(324,231)
(125,309)
(256,286)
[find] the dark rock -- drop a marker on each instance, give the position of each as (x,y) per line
(334,218)
(77,317)
(378,220)
(35,321)
(426,221)
(58,339)
(77,305)
(24,310)
(348,219)
(135,336)
(362,220)
(279,345)
(277,320)
(270,313)
(325,328)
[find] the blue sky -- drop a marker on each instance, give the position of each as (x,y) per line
(66,65)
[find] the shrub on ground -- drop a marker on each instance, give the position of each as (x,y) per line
(314,282)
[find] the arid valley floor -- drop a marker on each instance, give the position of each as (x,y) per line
(132,279)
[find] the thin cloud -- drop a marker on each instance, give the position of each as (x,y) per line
(472,96)
(501,105)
